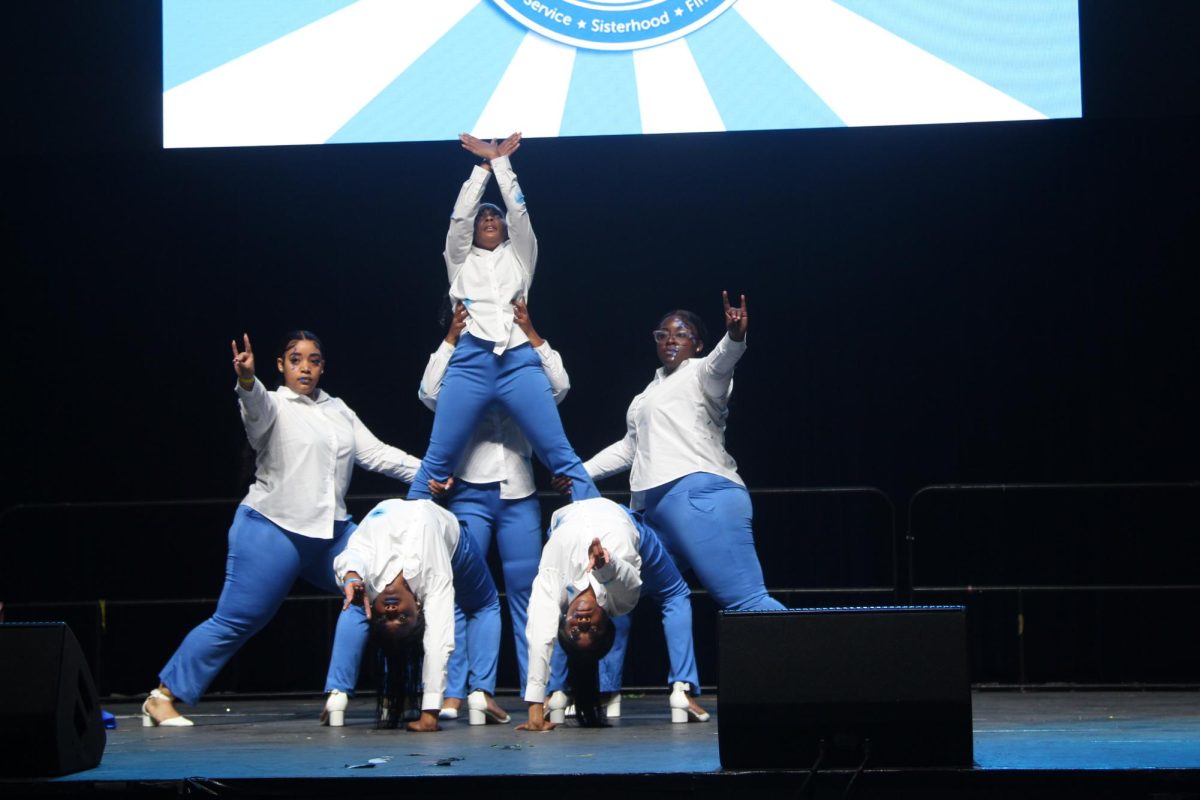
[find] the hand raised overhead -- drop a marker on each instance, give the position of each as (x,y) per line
(489,150)
(737,319)
(243,363)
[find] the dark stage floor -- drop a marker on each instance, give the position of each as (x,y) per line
(1134,743)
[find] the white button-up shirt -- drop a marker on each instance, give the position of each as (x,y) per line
(305,451)
(676,426)
(416,538)
(498,451)
(563,574)
(488,282)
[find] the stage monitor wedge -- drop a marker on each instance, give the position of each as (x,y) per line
(283,72)
(881,687)
(50,722)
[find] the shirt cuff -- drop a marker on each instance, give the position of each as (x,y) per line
(535,694)
(445,348)
(606,573)
(431,701)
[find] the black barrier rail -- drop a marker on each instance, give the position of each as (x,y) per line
(927,493)
(134,521)
(1064,579)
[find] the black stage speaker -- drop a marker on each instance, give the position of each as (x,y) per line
(49,716)
(886,684)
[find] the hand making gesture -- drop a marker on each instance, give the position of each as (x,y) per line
(489,150)
(355,592)
(736,319)
(597,555)
(243,363)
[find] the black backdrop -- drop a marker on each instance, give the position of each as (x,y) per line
(953,303)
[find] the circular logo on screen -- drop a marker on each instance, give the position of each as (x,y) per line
(614,24)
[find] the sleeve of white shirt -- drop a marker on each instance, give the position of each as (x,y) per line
(372,454)
(462,221)
(435,370)
(552,364)
(615,458)
(258,412)
(438,639)
(623,583)
(541,631)
(358,555)
(520,230)
(717,371)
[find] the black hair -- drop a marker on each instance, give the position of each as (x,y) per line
(299,335)
(398,670)
(691,319)
(583,672)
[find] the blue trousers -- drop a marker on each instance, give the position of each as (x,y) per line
(706,522)
(475,379)
(264,561)
(517,526)
(476,615)
(661,582)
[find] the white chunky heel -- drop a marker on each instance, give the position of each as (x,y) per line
(681,708)
(334,714)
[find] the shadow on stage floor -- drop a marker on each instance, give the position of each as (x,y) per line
(1027,744)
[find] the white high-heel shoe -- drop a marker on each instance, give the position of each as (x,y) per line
(681,709)
(170,722)
(478,712)
(557,706)
(334,714)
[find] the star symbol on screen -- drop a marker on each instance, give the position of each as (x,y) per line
(582,24)
(678,11)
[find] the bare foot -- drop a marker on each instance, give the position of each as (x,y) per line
(426,723)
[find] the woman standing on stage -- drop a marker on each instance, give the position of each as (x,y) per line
(680,473)
(292,523)
(490,260)
(493,494)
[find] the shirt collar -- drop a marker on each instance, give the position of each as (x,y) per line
(661,373)
(500,247)
(288,394)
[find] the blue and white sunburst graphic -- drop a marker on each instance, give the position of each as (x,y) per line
(265,72)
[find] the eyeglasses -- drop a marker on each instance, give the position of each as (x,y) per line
(661,336)
(574,632)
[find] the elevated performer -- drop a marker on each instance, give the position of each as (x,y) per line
(490,261)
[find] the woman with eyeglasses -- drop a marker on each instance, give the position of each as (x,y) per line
(292,522)
(680,473)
